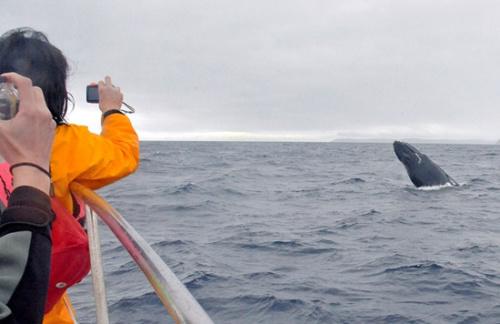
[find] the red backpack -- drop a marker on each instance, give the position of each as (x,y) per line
(70,247)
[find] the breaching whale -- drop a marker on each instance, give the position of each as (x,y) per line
(423,171)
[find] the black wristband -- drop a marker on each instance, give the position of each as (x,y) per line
(110,112)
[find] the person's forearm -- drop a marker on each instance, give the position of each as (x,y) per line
(31,176)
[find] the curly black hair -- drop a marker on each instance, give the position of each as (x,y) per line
(29,53)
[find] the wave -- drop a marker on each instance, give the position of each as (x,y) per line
(434,188)
(142,308)
(354,180)
(200,279)
(480,181)
(266,275)
(420,268)
(265,308)
(185,188)
(370,213)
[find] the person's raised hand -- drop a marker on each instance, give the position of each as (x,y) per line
(110,97)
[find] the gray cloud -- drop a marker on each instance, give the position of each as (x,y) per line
(285,69)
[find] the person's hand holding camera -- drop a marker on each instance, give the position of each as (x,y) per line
(110,97)
(26,140)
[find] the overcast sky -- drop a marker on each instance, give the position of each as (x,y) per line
(283,70)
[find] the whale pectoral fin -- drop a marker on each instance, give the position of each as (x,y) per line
(452,181)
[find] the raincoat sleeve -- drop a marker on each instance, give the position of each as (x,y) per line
(100,159)
(25,251)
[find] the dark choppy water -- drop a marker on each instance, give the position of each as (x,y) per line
(308,233)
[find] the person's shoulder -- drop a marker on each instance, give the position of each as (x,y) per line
(68,133)
(70,128)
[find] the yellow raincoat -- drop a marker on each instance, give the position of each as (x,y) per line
(91,160)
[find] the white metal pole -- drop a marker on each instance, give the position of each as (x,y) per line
(101,304)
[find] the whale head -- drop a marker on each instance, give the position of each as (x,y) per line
(407,153)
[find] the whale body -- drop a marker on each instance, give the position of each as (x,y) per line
(423,172)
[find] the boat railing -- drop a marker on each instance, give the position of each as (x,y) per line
(181,305)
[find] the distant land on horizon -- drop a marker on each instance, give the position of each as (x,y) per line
(417,140)
(351,140)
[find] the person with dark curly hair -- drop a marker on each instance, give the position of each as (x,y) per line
(93,160)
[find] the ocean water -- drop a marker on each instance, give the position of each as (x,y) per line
(307,233)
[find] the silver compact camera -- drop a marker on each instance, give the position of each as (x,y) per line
(9,100)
